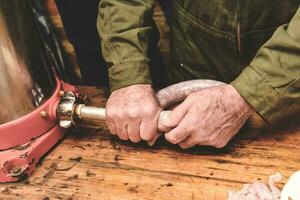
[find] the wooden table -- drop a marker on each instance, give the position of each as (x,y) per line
(91,164)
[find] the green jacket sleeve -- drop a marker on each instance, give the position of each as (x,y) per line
(271,83)
(127,30)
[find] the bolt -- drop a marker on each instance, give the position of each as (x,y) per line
(15,170)
(44,114)
(61,93)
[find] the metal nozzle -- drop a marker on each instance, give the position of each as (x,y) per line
(70,109)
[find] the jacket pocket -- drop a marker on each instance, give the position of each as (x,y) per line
(202,50)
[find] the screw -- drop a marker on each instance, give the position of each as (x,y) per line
(16,170)
(44,114)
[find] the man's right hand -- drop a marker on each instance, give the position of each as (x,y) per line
(132,113)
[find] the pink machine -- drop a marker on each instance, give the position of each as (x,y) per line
(37,107)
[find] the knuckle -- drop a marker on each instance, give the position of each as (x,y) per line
(148,115)
(149,110)
(132,113)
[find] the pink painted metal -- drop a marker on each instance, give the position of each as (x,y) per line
(24,141)
(30,126)
(18,163)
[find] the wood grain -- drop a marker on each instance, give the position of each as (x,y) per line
(91,164)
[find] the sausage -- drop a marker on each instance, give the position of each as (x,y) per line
(176,93)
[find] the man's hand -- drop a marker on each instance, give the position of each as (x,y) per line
(208,117)
(132,113)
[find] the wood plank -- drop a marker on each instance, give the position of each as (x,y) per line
(91,164)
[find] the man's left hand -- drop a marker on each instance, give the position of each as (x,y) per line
(209,117)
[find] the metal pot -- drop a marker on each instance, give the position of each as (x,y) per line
(29,93)
(26,77)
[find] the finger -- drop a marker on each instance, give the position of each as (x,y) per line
(152,142)
(220,143)
(111,128)
(163,118)
(188,142)
(203,143)
(122,132)
(148,130)
(133,131)
(221,140)
(179,133)
(178,113)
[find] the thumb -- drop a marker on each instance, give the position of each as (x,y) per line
(178,114)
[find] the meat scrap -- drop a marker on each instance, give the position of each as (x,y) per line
(258,190)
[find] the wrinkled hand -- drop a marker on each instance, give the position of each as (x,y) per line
(208,117)
(132,113)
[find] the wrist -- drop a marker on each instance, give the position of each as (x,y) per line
(247,108)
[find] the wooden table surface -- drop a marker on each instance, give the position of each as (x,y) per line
(91,164)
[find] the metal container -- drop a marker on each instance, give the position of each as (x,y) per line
(26,75)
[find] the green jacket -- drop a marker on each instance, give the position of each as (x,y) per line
(252,44)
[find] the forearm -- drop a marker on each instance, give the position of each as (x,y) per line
(127,30)
(271,82)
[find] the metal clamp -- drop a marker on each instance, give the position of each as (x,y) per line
(65,110)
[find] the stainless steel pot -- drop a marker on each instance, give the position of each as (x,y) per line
(26,75)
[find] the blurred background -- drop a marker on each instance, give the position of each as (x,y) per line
(69,29)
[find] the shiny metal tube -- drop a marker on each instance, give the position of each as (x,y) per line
(90,112)
(26,77)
